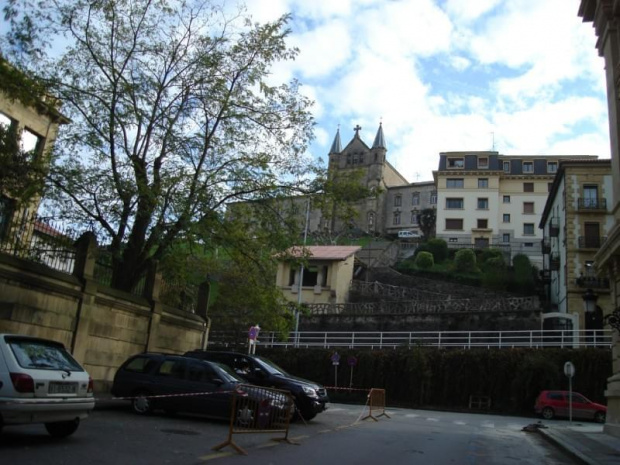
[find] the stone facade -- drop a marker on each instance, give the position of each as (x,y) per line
(605,16)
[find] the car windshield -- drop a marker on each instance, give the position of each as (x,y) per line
(47,355)
(227,374)
(271,367)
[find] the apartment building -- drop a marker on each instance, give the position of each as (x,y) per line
(485,199)
(575,222)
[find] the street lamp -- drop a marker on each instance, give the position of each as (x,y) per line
(589,301)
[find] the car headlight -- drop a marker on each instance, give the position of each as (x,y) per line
(309,391)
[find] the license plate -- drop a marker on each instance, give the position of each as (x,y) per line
(62,388)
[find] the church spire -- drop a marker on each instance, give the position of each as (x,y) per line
(379,142)
(336,145)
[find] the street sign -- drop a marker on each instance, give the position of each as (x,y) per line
(569,369)
(335,358)
(352,361)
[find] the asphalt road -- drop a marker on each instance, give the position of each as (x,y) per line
(117,436)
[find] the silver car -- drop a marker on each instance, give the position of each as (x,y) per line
(40,382)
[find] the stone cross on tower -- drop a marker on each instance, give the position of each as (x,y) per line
(357,130)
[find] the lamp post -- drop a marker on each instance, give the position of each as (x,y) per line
(589,301)
(589,308)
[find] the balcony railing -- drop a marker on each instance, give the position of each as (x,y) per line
(554,227)
(592,282)
(591,242)
(554,262)
(545,245)
(591,204)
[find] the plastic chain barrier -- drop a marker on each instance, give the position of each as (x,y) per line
(161,396)
(259,410)
(376,402)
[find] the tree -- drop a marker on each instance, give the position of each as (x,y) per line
(173,116)
(465,261)
(427,219)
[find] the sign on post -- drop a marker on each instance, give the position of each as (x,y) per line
(352,361)
(335,358)
(569,371)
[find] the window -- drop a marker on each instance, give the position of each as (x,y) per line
(7,208)
(528,207)
(506,218)
(483,162)
(454,203)
(415,198)
(5,121)
(398,201)
(414,217)
(506,237)
(528,229)
(455,183)
(457,163)
(528,167)
(506,199)
(528,187)
(483,183)
(396,219)
(506,166)
(454,224)
(552,167)
(483,204)
(483,224)
(528,244)
(453,239)
(590,196)
(434,197)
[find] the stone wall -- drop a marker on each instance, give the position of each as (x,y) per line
(101,326)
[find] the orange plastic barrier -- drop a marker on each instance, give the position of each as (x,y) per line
(259,410)
(376,403)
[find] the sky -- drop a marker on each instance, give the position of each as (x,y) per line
(522,77)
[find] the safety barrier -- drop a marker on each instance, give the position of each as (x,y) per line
(259,410)
(376,402)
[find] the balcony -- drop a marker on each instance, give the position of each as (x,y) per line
(591,242)
(592,282)
(545,245)
(554,227)
(598,205)
(545,276)
(554,262)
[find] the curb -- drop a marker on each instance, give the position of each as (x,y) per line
(559,441)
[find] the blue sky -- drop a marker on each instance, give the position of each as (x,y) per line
(522,76)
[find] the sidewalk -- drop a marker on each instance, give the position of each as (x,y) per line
(586,442)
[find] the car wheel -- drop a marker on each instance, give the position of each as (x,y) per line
(142,403)
(599,417)
(62,429)
(307,415)
(548,413)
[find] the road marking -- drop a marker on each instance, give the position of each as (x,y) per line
(462,423)
(488,424)
(215,455)
(297,438)
(432,419)
(325,431)
(267,444)
(412,415)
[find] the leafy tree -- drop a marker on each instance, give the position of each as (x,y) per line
(426,220)
(523,273)
(465,260)
(174,115)
(424,260)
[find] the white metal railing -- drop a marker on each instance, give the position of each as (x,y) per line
(437,339)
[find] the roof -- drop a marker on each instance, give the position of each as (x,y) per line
(325,252)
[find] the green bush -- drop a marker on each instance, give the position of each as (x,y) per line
(424,260)
(424,247)
(523,279)
(465,261)
(495,274)
(439,249)
(495,255)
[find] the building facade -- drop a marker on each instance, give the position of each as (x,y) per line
(485,199)
(605,17)
(575,222)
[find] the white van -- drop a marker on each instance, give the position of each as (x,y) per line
(408,234)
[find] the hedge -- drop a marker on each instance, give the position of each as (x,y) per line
(421,377)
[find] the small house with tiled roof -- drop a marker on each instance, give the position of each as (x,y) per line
(325,276)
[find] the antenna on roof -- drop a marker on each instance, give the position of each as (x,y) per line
(493,142)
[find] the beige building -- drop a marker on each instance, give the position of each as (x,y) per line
(36,121)
(486,199)
(605,16)
(326,278)
(575,222)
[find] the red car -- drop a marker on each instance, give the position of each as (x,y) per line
(550,404)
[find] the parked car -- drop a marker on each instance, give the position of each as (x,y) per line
(154,381)
(40,382)
(550,404)
(310,397)
(408,234)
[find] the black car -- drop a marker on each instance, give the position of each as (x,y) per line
(310,397)
(162,382)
